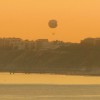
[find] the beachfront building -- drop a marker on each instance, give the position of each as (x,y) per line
(29,44)
(10,42)
(42,44)
(91,41)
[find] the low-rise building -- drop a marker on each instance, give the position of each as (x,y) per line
(29,44)
(42,44)
(91,41)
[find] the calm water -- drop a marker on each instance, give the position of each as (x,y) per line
(25,88)
(49,92)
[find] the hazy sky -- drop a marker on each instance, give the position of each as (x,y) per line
(28,19)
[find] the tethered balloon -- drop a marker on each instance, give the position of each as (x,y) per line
(52,23)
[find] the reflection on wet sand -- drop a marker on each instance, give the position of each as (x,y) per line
(18,78)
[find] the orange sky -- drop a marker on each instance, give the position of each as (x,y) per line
(28,19)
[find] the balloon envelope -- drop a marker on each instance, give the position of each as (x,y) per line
(52,23)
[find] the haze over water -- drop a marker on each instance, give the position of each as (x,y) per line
(48,87)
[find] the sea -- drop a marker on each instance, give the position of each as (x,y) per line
(49,92)
(48,87)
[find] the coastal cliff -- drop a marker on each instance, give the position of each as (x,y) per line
(76,59)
